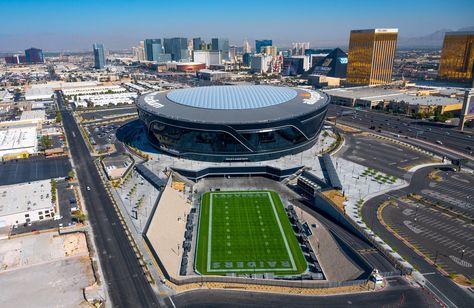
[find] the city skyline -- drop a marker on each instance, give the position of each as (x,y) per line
(121,26)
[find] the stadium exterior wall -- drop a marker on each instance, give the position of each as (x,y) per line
(233,142)
(267,171)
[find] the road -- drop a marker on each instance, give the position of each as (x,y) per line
(126,284)
(398,294)
(421,131)
(443,287)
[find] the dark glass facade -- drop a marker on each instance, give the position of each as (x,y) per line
(177,47)
(222,45)
(234,142)
(34,55)
(262,43)
(99,55)
(153,49)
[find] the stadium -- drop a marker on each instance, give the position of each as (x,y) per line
(233,123)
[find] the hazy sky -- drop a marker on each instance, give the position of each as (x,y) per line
(76,24)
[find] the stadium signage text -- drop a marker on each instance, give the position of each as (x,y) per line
(150,100)
(251,264)
(313,98)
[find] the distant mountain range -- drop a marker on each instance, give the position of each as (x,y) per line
(434,39)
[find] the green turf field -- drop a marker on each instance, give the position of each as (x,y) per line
(246,232)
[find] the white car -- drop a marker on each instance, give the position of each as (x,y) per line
(88,188)
(439,142)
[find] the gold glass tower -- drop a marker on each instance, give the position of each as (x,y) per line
(371,54)
(457,57)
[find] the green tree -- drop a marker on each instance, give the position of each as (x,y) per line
(71,174)
(53,190)
(46,142)
(59,118)
(79,216)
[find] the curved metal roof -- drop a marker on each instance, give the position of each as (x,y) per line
(232,97)
(304,102)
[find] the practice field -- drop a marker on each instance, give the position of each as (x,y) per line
(246,232)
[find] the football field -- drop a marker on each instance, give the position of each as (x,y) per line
(246,232)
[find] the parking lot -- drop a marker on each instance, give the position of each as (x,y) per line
(66,200)
(33,169)
(453,191)
(108,113)
(382,155)
(102,136)
(445,240)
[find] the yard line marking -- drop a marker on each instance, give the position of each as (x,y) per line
(282,232)
(290,255)
(209,235)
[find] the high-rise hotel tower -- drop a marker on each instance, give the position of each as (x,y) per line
(371,54)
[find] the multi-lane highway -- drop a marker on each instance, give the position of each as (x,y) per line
(124,278)
(438,136)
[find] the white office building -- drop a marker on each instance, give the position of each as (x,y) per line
(207,57)
(18,207)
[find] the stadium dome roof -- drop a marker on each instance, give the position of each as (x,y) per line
(233,104)
(232,97)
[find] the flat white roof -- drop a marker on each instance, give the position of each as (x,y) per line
(5,96)
(25,197)
(46,90)
(378,94)
(98,88)
(364,92)
(18,139)
(427,100)
(39,115)
(35,93)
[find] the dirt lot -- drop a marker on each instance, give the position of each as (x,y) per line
(44,270)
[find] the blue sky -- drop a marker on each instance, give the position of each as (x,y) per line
(76,24)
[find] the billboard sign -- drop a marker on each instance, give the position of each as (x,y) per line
(470,105)
(343,60)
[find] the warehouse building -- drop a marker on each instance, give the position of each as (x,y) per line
(16,207)
(408,101)
(18,141)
